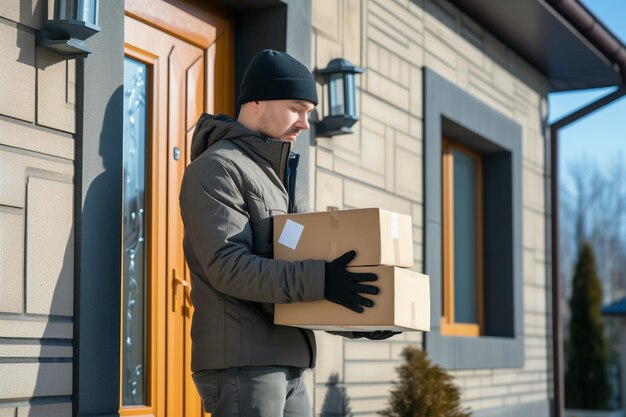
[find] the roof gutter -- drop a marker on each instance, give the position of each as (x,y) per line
(592,29)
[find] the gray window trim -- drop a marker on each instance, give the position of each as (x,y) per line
(443,99)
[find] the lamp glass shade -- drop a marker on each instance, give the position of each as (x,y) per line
(336,102)
(80,10)
(349,93)
(89,11)
(64,10)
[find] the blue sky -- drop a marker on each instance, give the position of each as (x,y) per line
(601,135)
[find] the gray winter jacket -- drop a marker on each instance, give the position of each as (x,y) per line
(234,185)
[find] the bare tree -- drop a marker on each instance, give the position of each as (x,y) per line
(593,209)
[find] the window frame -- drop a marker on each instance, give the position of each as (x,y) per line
(452,111)
(448,324)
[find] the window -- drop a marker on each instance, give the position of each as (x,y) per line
(462,238)
(473,190)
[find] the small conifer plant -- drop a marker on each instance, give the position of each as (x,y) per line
(424,389)
(586,379)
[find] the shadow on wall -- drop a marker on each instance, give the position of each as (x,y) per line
(30,15)
(336,401)
(100,285)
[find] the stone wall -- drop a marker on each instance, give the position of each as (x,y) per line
(381,165)
(37,120)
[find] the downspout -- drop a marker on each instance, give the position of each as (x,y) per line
(557,335)
(591,28)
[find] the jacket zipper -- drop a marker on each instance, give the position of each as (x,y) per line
(290,180)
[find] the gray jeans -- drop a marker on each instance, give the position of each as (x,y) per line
(268,391)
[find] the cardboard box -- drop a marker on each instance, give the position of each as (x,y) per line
(379,237)
(402,304)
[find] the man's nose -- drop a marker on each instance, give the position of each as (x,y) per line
(303,122)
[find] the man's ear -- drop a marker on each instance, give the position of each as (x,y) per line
(255,106)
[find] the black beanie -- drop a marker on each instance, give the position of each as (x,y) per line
(274,75)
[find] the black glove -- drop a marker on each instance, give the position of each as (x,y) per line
(377,335)
(342,286)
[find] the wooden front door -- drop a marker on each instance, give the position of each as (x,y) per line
(177,65)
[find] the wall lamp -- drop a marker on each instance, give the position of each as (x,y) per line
(340,112)
(74,21)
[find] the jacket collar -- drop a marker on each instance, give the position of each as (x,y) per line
(211,129)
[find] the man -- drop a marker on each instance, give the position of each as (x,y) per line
(243,173)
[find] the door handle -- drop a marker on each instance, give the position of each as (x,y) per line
(178,282)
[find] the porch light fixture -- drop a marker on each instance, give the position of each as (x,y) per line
(340,112)
(74,21)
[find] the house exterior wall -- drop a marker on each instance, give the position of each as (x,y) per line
(381,164)
(37,123)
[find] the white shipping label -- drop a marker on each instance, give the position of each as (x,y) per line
(290,236)
(395,231)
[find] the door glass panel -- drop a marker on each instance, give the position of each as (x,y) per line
(134,321)
(464,238)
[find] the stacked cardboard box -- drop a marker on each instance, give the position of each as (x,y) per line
(383,242)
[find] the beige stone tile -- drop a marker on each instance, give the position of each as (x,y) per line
(439,48)
(330,357)
(12,264)
(360,195)
(324,158)
(408,172)
(373,125)
(504,82)
(388,90)
(368,390)
(416,92)
(373,151)
(352,31)
(50,248)
(356,171)
(46,410)
(357,371)
(328,191)
(7,412)
(35,329)
(17,71)
(369,405)
(388,35)
(56,91)
(390,159)
(406,48)
(417,214)
(31,13)
(326,49)
(35,351)
(485,93)
(408,143)
(416,129)
(25,380)
(26,136)
(350,143)
(367,350)
(326,17)
(398,16)
(443,69)
(384,112)
(13,178)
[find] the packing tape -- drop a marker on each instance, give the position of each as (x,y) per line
(334,219)
(396,251)
(332,251)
